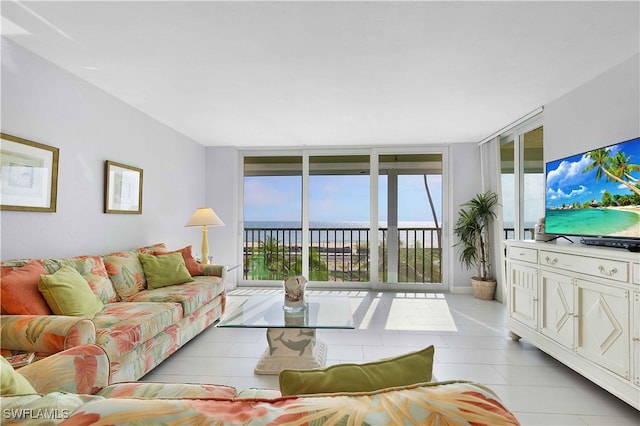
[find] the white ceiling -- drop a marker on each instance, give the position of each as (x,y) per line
(330,73)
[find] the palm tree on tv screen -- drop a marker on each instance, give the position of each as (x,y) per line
(616,168)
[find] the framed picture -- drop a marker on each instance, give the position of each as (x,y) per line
(28,175)
(123,189)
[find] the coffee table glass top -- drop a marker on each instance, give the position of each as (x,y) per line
(266,311)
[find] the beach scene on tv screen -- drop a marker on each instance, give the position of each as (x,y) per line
(595,193)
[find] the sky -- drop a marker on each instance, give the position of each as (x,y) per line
(342,198)
(566,183)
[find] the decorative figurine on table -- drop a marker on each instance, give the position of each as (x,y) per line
(294,288)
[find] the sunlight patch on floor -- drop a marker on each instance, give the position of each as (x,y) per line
(414,315)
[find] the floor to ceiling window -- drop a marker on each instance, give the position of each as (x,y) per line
(331,219)
(339,200)
(272,217)
(522,179)
(410,218)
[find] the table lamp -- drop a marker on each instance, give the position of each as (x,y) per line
(205,216)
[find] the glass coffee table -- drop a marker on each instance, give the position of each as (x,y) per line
(291,336)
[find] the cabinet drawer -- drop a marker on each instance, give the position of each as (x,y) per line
(636,273)
(603,268)
(523,254)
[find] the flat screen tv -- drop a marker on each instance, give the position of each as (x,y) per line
(596,195)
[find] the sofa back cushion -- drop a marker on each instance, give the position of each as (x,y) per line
(92,269)
(19,293)
(68,293)
(125,270)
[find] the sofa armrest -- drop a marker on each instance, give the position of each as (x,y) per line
(83,369)
(217,270)
(46,334)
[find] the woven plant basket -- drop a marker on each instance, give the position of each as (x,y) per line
(484,290)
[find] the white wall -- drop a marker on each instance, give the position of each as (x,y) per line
(466,182)
(222,193)
(43,103)
(224,177)
(604,111)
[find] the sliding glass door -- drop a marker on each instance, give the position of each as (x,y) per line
(522,180)
(351,220)
(410,218)
(339,199)
(272,217)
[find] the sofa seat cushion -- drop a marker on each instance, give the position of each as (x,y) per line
(192,296)
(122,326)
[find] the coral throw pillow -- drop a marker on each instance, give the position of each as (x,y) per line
(19,293)
(190,262)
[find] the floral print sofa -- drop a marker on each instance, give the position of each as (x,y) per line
(138,327)
(70,388)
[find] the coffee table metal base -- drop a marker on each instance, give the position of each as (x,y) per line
(295,348)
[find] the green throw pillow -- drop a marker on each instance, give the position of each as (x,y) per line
(414,367)
(68,293)
(11,382)
(164,270)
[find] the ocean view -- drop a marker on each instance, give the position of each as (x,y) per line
(289,231)
(275,224)
(593,222)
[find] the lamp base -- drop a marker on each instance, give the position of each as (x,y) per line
(205,246)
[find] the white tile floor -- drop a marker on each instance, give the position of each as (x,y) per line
(470,342)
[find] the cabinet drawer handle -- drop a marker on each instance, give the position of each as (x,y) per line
(551,262)
(609,273)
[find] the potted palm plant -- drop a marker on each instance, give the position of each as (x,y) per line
(472,230)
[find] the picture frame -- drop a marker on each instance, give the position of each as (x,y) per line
(28,175)
(123,188)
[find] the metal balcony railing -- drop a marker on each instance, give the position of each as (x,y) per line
(340,254)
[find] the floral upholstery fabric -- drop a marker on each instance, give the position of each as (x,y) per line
(62,377)
(167,390)
(92,269)
(192,296)
(126,273)
(131,365)
(122,326)
(137,336)
(201,319)
(47,334)
(10,265)
(445,403)
(83,369)
(42,410)
(153,247)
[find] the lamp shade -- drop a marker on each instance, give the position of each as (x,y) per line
(205,216)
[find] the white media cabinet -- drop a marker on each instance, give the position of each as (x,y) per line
(581,305)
